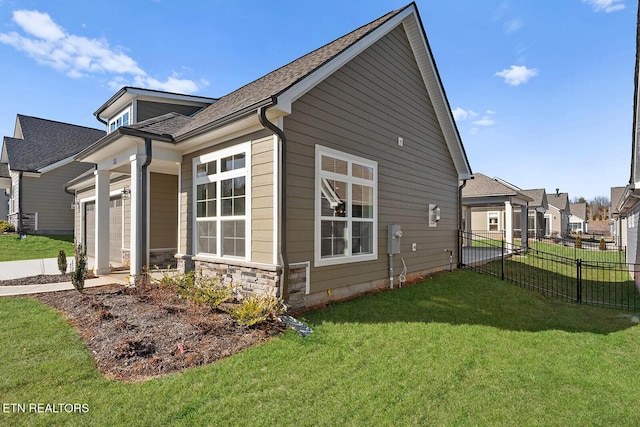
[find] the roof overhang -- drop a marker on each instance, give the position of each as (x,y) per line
(127,94)
(496,200)
(5,183)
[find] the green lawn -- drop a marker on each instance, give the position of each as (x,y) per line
(457,349)
(34,247)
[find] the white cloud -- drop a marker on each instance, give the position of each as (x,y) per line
(513,25)
(486,119)
(49,44)
(517,74)
(606,6)
(460,114)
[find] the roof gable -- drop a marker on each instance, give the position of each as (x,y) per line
(560,201)
(45,142)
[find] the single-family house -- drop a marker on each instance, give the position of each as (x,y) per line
(39,161)
(537,207)
(316,181)
(618,222)
(557,216)
(578,221)
(490,206)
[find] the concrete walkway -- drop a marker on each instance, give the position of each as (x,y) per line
(27,268)
(6,291)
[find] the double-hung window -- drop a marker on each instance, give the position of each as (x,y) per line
(346,208)
(493,220)
(221,187)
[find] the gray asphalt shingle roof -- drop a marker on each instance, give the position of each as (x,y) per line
(46,142)
(482,185)
(579,210)
(560,201)
(537,195)
(616,197)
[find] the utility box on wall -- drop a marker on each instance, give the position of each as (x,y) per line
(434,215)
(394,235)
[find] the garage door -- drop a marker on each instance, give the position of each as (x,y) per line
(115,229)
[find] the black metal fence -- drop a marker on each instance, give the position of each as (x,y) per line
(583,275)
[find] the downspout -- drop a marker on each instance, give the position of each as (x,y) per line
(20,232)
(144,209)
(460,230)
(282,208)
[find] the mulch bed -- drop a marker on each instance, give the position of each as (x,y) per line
(135,334)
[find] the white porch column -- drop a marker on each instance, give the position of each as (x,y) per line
(508,226)
(102,222)
(138,259)
(524,225)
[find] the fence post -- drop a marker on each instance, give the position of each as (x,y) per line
(579,281)
(502,261)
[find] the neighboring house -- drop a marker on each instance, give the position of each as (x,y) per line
(618,221)
(578,222)
(5,185)
(557,216)
(537,207)
(39,160)
(490,206)
(289,185)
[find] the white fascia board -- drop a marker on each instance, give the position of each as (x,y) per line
(56,165)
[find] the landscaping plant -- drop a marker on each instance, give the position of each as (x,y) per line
(80,271)
(62,262)
(6,227)
(255,309)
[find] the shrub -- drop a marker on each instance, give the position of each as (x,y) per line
(578,242)
(255,309)
(62,262)
(6,227)
(602,245)
(80,272)
(199,288)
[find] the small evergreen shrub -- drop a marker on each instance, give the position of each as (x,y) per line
(6,227)
(602,245)
(578,242)
(80,272)
(62,262)
(199,288)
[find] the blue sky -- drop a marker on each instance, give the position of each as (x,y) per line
(542,91)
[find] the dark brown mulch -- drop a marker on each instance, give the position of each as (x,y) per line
(136,335)
(40,279)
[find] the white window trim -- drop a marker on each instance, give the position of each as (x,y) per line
(350,158)
(244,147)
(495,214)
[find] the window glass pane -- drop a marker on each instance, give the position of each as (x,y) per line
(334,235)
(331,164)
(201,170)
(362,201)
(232,162)
(113,127)
(207,237)
(360,171)
(233,238)
(125,119)
(362,241)
(206,200)
(334,198)
(233,196)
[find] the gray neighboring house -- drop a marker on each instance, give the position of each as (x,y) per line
(289,185)
(494,208)
(578,221)
(39,159)
(537,207)
(618,221)
(5,181)
(557,216)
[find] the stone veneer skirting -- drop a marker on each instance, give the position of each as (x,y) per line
(28,221)
(161,258)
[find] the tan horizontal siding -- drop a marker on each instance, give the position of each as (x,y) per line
(362,109)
